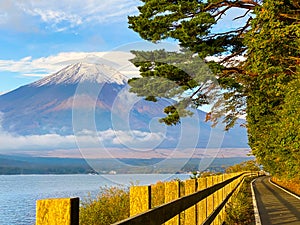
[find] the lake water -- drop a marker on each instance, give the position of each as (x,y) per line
(18,193)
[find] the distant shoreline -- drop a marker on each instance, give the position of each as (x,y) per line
(22,165)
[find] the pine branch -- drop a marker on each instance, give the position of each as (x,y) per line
(233,55)
(244,4)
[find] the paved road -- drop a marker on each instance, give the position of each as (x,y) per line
(275,206)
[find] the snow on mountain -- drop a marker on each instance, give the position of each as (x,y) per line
(83,72)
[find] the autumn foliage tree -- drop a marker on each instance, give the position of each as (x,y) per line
(257,64)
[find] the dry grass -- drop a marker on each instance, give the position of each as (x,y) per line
(292,185)
(111,205)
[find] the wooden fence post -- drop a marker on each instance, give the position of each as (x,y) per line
(215,198)
(202,205)
(140,199)
(157,194)
(172,192)
(62,211)
(210,199)
(227,187)
(190,214)
(220,200)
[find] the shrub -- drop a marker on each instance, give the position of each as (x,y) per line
(240,210)
(111,205)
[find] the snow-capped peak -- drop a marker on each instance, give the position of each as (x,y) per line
(83,72)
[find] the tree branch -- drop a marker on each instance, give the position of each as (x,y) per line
(290,16)
(220,13)
(244,4)
(239,17)
(233,55)
(199,89)
(228,70)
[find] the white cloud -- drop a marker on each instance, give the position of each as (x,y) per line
(129,139)
(9,141)
(59,15)
(56,17)
(135,139)
(57,20)
(44,66)
(54,141)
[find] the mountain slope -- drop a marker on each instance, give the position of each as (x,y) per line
(48,106)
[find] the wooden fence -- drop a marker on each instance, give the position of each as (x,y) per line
(196,201)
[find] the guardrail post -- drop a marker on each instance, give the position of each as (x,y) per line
(62,211)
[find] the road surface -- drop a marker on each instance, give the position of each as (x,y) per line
(275,206)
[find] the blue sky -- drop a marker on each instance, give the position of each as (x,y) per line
(40,37)
(37,36)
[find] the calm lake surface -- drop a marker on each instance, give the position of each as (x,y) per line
(18,193)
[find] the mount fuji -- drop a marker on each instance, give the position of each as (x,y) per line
(46,105)
(83,72)
(91,97)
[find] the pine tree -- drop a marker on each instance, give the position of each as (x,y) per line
(265,85)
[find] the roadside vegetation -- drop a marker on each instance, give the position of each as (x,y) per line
(111,205)
(250,165)
(292,185)
(240,210)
